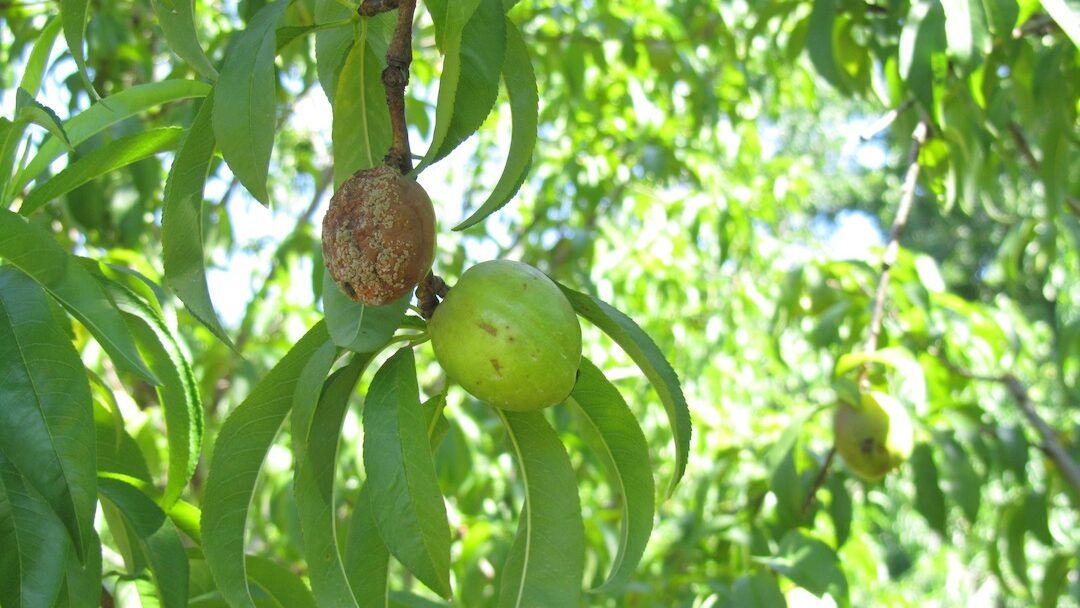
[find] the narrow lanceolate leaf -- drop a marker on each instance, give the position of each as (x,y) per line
(626,454)
(83,583)
(10,135)
(361,128)
(1067,16)
(367,559)
(32,249)
(282,585)
(405,496)
(106,113)
(34,546)
(923,35)
(648,357)
(114,155)
(359,327)
(178,392)
(475,46)
(520,81)
(331,46)
(31,110)
(316,431)
(177,19)
(39,57)
(73,14)
(46,418)
(547,559)
(241,446)
(181,221)
(244,107)
(156,537)
(819,42)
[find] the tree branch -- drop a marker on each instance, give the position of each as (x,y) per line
(1025,150)
(903,211)
(395,78)
(1068,467)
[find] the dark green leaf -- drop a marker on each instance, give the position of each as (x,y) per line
(923,36)
(626,454)
(108,112)
(114,155)
(331,46)
(929,499)
(648,357)
(84,580)
(964,484)
(517,73)
(241,446)
(117,453)
(405,496)
(1055,577)
(157,539)
(367,559)
(177,19)
(46,422)
(547,559)
(34,547)
(358,327)
(840,509)
(244,114)
(361,127)
(33,250)
(810,564)
(28,109)
(316,431)
(73,15)
(760,590)
(182,219)
(475,46)
(819,42)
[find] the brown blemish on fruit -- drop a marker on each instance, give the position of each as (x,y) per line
(867,445)
(488,327)
(498,366)
(379,236)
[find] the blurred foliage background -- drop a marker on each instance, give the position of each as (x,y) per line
(726,173)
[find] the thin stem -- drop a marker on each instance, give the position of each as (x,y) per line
(395,78)
(1068,467)
(370,8)
(819,481)
(429,292)
(903,211)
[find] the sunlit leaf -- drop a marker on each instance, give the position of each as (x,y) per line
(648,357)
(546,561)
(73,15)
(177,19)
(361,125)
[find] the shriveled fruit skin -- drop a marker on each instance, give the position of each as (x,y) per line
(379,236)
(508,336)
(873,439)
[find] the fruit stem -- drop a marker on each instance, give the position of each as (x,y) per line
(429,292)
(396,76)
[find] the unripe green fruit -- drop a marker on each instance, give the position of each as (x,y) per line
(508,336)
(875,438)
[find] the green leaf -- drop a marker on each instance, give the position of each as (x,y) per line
(840,509)
(626,454)
(117,453)
(32,249)
(107,112)
(819,42)
(475,46)
(1055,577)
(405,496)
(965,30)
(84,580)
(1001,16)
(547,559)
(963,482)
(38,60)
(30,110)
(34,546)
(182,221)
(922,37)
(241,446)
(648,357)
(331,46)
(244,114)
(284,587)
(361,131)
(810,564)
(929,499)
(520,81)
(1015,533)
(1067,15)
(10,136)
(114,155)
(46,422)
(178,392)
(73,14)
(358,327)
(157,539)
(316,431)
(760,590)
(177,19)
(367,560)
